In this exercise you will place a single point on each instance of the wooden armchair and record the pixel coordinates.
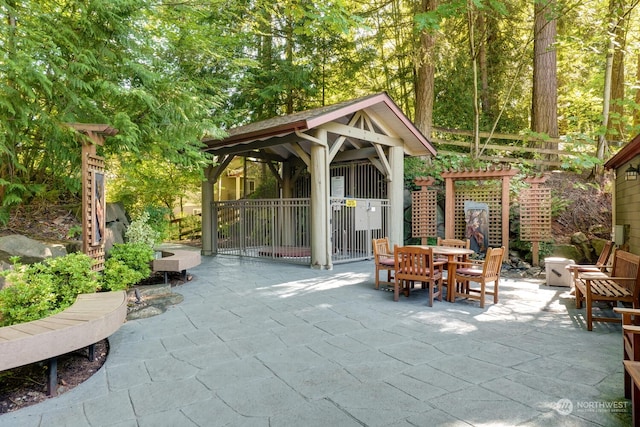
(454, 243)
(621, 286)
(630, 341)
(383, 259)
(416, 264)
(482, 273)
(600, 266)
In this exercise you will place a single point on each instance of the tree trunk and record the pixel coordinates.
(544, 103)
(471, 19)
(425, 71)
(618, 31)
(602, 139)
(485, 95)
(636, 113)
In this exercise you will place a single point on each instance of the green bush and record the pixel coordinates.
(128, 263)
(158, 220)
(140, 231)
(41, 289)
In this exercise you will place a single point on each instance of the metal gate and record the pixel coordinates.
(279, 229)
(354, 223)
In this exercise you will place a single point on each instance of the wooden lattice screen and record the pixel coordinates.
(535, 212)
(535, 215)
(93, 196)
(424, 205)
(489, 193)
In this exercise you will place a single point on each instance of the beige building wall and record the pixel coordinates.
(627, 208)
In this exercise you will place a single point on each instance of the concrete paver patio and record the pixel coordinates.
(263, 344)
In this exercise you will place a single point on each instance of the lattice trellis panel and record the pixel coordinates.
(93, 186)
(424, 205)
(485, 192)
(535, 214)
(95, 166)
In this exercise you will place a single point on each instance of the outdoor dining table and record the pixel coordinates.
(452, 255)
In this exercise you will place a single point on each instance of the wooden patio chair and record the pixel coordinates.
(481, 273)
(416, 264)
(601, 265)
(630, 341)
(384, 261)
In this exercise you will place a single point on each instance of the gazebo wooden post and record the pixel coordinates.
(396, 196)
(320, 227)
(208, 226)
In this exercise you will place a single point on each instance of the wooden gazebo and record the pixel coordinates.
(371, 128)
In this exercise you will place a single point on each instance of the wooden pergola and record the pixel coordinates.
(495, 196)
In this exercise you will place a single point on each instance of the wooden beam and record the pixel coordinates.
(362, 134)
(384, 161)
(301, 153)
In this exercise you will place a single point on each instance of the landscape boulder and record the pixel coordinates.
(581, 241)
(116, 225)
(30, 251)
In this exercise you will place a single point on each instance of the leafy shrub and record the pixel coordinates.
(140, 231)
(41, 289)
(158, 220)
(128, 264)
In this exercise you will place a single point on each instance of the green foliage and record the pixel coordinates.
(188, 226)
(71, 275)
(417, 167)
(74, 231)
(119, 276)
(153, 184)
(107, 62)
(268, 189)
(158, 221)
(42, 289)
(141, 232)
(128, 264)
(559, 204)
(545, 249)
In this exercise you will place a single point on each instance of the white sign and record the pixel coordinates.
(337, 187)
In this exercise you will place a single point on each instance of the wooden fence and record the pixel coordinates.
(567, 151)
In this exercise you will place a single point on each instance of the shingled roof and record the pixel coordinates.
(275, 134)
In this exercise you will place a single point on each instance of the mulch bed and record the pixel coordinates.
(27, 385)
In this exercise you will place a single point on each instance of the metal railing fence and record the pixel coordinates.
(280, 229)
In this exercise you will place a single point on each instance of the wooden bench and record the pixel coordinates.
(92, 318)
(621, 285)
(176, 261)
(632, 369)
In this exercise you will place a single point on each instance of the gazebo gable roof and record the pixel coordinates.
(385, 124)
